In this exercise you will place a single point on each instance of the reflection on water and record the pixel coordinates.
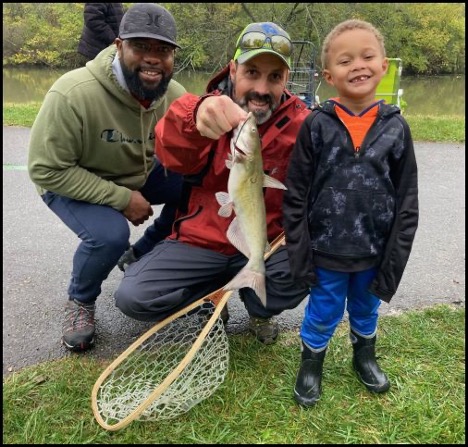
(435, 95)
(424, 95)
(31, 84)
(24, 85)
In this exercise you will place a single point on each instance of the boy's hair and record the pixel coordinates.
(349, 25)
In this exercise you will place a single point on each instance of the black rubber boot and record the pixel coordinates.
(309, 378)
(365, 363)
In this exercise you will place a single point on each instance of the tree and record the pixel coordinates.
(429, 37)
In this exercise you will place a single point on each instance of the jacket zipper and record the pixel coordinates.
(357, 149)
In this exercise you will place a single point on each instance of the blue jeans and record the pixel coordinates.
(327, 301)
(105, 232)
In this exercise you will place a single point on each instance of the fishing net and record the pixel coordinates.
(148, 368)
(170, 368)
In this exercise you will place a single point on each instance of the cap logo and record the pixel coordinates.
(269, 28)
(154, 19)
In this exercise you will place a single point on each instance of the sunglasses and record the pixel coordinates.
(255, 40)
(140, 46)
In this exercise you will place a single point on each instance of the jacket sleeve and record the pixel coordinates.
(96, 16)
(179, 145)
(295, 205)
(54, 155)
(400, 242)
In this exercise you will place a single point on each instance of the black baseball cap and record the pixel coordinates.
(149, 20)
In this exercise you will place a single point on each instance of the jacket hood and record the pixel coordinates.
(220, 81)
(385, 110)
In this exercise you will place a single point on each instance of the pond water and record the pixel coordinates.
(433, 95)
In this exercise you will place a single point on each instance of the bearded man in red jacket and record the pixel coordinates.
(193, 138)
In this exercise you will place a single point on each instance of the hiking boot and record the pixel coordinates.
(78, 326)
(126, 259)
(265, 329)
(365, 363)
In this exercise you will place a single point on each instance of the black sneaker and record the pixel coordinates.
(265, 329)
(78, 327)
(126, 259)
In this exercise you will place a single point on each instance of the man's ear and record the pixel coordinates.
(232, 69)
(118, 43)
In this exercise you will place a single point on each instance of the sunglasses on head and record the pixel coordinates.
(255, 40)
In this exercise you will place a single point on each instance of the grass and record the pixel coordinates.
(20, 114)
(443, 128)
(440, 128)
(421, 351)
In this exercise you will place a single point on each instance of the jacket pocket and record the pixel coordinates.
(349, 222)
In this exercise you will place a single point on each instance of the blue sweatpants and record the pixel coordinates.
(105, 232)
(334, 292)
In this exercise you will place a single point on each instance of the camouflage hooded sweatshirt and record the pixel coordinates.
(92, 140)
(348, 211)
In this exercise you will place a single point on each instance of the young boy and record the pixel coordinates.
(351, 208)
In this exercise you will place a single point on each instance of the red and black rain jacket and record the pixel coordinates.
(202, 161)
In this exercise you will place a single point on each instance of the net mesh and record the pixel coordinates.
(144, 369)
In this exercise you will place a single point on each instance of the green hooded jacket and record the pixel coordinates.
(92, 140)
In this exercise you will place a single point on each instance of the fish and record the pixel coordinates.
(248, 230)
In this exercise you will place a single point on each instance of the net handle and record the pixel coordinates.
(219, 298)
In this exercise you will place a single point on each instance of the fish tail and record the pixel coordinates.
(249, 278)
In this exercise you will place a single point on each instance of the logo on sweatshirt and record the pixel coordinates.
(115, 136)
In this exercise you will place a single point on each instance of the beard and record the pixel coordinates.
(261, 116)
(138, 89)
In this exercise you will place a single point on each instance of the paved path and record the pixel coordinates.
(38, 251)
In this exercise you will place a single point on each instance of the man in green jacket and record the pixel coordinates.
(91, 156)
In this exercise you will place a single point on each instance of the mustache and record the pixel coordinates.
(254, 96)
(150, 68)
(260, 116)
(139, 89)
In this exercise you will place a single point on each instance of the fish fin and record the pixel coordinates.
(236, 238)
(229, 162)
(225, 210)
(270, 182)
(226, 204)
(249, 278)
(222, 197)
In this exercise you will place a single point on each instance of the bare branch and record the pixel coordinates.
(244, 7)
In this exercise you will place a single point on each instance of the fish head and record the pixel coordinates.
(245, 141)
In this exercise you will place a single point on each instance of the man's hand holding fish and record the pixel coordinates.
(218, 115)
